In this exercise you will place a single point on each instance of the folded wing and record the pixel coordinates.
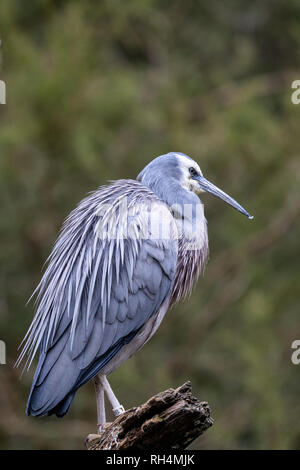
(110, 271)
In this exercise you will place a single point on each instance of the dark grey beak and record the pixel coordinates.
(211, 188)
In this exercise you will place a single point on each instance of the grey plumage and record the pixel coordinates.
(103, 288)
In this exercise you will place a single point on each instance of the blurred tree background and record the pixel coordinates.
(95, 90)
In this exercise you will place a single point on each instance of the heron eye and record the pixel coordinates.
(192, 171)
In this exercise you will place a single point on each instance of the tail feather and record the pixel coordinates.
(56, 383)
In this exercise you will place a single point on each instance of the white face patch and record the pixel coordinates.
(187, 181)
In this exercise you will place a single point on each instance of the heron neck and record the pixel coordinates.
(186, 207)
(191, 223)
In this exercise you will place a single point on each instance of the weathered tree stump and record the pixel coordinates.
(172, 419)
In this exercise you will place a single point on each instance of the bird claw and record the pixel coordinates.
(102, 427)
(119, 410)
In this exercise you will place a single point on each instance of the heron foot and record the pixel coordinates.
(118, 410)
(101, 428)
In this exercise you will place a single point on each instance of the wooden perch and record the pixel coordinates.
(172, 419)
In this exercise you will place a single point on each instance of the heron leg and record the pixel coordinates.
(101, 415)
(116, 405)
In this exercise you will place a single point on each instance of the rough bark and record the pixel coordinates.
(172, 419)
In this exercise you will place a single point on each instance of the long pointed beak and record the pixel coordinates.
(211, 188)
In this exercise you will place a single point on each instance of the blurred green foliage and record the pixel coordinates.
(95, 90)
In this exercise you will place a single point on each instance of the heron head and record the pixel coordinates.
(193, 180)
(176, 167)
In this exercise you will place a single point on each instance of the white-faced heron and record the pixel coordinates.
(125, 255)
